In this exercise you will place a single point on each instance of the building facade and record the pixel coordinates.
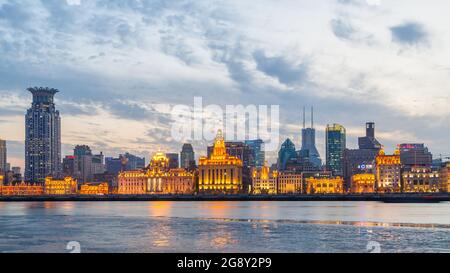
(308, 148)
(264, 181)
(94, 189)
(286, 154)
(259, 156)
(157, 178)
(361, 160)
(363, 183)
(66, 186)
(42, 137)
(22, 189)
(335, 140)
(444, 177)
(3, 156)
(415, 155)
(324, 185)
(421, 179)
(187, 157)
(289, 183)
(174, 161)
(388, 172)
(220, 172)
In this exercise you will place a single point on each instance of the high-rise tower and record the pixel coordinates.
(335, 146)
(309, 141)
(42, 136)
(3, 158)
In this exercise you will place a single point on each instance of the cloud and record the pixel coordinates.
(115, 61)
(282, 69)
(409, 34)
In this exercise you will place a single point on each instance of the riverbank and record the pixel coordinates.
(388, 198)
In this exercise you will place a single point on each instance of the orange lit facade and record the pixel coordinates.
(388, 172)
(94, 189)
(67, 186)
(363, 183)
(289, 183)
(325, 185)
(421, 179)
(2, 179)
(444, 178)
(264, 181)
(221, 173)
(132, 182)
(21, 190)
(157, 179)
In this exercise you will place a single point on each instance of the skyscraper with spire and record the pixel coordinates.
(42, 136)
(309, 149)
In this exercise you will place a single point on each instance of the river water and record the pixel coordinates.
(224, 227)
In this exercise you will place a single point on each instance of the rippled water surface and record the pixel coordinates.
(224, 226)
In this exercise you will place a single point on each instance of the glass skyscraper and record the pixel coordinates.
(335, 147)
(257, 147)
(42, 136)
(3, 159)
(286, 153)
(187, 157)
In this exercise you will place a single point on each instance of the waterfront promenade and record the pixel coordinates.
(394, 198)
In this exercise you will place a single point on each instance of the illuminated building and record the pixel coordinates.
(132, 182)
(2, 179)
(361, 160)
(290, 183)
(94, 189)
(3, 158)
(363, 183)
(335, 143)
(445, 178)
(178, 181)
(157, 178)
(21, 189)
(388, 172)
(220, 172)
(42, 137)
(66, 186)
(420, 179)
(324, 185)
(264, 181)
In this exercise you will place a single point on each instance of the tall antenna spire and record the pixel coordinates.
(304, 117)
(312, 117)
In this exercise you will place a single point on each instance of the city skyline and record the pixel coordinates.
(117, 77)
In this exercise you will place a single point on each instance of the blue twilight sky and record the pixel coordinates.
(117, 62)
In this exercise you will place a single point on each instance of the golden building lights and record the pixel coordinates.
(94, 189)
(444, 178)
(66, 186)
(324, 185)
(264, 181)
(21, 189)
(221, 172)
(157, 178)
(289, 183)
(388, 172)
(421, 179)
(363, 183)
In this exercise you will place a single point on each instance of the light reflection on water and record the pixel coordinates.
(224, 226)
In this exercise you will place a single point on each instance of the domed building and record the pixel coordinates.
(220, 173)
(157, 178)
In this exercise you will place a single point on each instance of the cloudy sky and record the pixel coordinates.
(119, 62)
